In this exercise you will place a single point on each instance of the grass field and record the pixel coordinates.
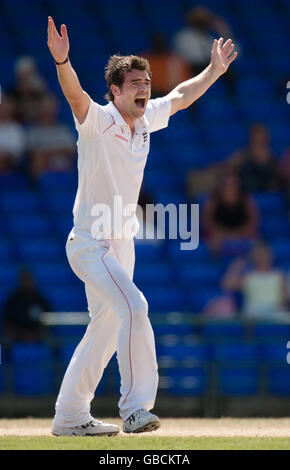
(175, 434)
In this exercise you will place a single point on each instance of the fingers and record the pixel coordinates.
(63, 31)
(227, 45)
(51, 27)
(215, 45)
(233, 57)
(230, 50)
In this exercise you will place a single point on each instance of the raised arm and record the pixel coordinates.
(58, 45)
(187, 92)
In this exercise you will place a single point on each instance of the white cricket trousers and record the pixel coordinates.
(119, 322)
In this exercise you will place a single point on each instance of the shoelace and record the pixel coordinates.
(91, 423)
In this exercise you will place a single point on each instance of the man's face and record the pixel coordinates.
(134, 94)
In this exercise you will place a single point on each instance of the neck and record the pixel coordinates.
(127, 118)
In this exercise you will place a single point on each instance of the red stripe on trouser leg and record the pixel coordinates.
(130, 358)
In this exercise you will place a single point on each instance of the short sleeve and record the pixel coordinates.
(158, 113)
(94, 122)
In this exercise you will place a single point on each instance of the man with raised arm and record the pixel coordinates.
(113, 144)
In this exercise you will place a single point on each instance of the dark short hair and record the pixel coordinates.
(118, 65)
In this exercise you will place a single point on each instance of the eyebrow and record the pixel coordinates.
(140, 79)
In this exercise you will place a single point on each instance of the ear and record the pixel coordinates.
(115, 90)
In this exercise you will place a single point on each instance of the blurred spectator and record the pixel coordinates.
(12, 138)
(263, 287)
(194, 42)
(28, 90)
(22, 310)
(168, 69)
(201, 182)
(221, 306)
(51, 145)
(229, 214)
(256, 164)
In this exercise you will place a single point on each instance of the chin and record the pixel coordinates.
(140, 112)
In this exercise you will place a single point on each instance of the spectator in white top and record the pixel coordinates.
(263, 286)
(51, 145)
(193, 43)
(12, 138)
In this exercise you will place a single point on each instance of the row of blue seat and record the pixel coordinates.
(229, 381)
(230, 352)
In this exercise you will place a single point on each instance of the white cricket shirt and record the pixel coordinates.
(111, 163)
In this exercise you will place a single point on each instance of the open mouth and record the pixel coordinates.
(140, 103)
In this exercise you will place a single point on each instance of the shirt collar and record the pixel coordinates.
(119, 120)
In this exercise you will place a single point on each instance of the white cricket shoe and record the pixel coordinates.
(141, 421)
(92, 428)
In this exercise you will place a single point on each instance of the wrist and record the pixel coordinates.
(214, 73)
(61, 63)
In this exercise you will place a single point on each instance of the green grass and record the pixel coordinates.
(143, 443)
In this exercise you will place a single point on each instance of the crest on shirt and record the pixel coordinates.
(145, 136)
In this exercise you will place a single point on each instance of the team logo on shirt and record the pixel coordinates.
(145, 136)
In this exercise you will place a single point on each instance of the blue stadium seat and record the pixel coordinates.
(30, 224)
(279, 381)
(153, 273)
(199, 352)
(147, 251)
(270, 202)
(264, 110)
(33, 369)
(218, 108)
(60, 202)
(58, 182)
(161, 179)
(52, 273)
(168, 299)
(66, 350)
(13, 180)
(223, 329)
(236, 352)
(191, 155)
(176, 254)
(14, 202)
(271, 331)
(255, 86)
(65, 299)
(273, 351)
(168, 197)
(63, 332)
(206, 274)
(281, 248)
(179, 329)
(9, 274)
(6, 251)
(275, 226)
(187, 382)
(40, 249)
(238, 381)
(63, 224)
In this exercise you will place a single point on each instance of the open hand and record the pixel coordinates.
(58, 45)
(222, 55)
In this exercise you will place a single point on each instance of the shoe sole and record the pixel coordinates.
(109, 434)
(147, 428)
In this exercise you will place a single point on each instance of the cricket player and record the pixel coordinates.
(113, 144)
